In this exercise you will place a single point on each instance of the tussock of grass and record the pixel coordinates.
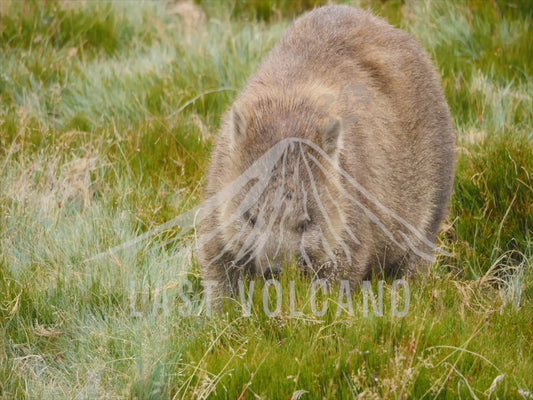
(262, 10)
(107, 116)
(492, 205)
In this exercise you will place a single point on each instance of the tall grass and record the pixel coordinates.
(107, 116)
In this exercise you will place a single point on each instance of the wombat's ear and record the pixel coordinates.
(328, 136)
(238, 124)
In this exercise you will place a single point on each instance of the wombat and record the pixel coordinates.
(338, 155)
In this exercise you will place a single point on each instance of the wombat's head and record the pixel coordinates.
(286, 200)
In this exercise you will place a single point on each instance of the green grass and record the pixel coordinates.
(107, 116)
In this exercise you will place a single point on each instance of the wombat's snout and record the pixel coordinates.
(273, 271)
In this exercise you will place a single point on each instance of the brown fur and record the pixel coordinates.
(368, 95)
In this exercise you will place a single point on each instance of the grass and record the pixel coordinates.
(107, 117)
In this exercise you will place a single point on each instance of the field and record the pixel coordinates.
(108, 112)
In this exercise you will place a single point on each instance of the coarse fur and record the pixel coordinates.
(370, 196)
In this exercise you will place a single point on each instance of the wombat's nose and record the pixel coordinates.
(273, 271)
